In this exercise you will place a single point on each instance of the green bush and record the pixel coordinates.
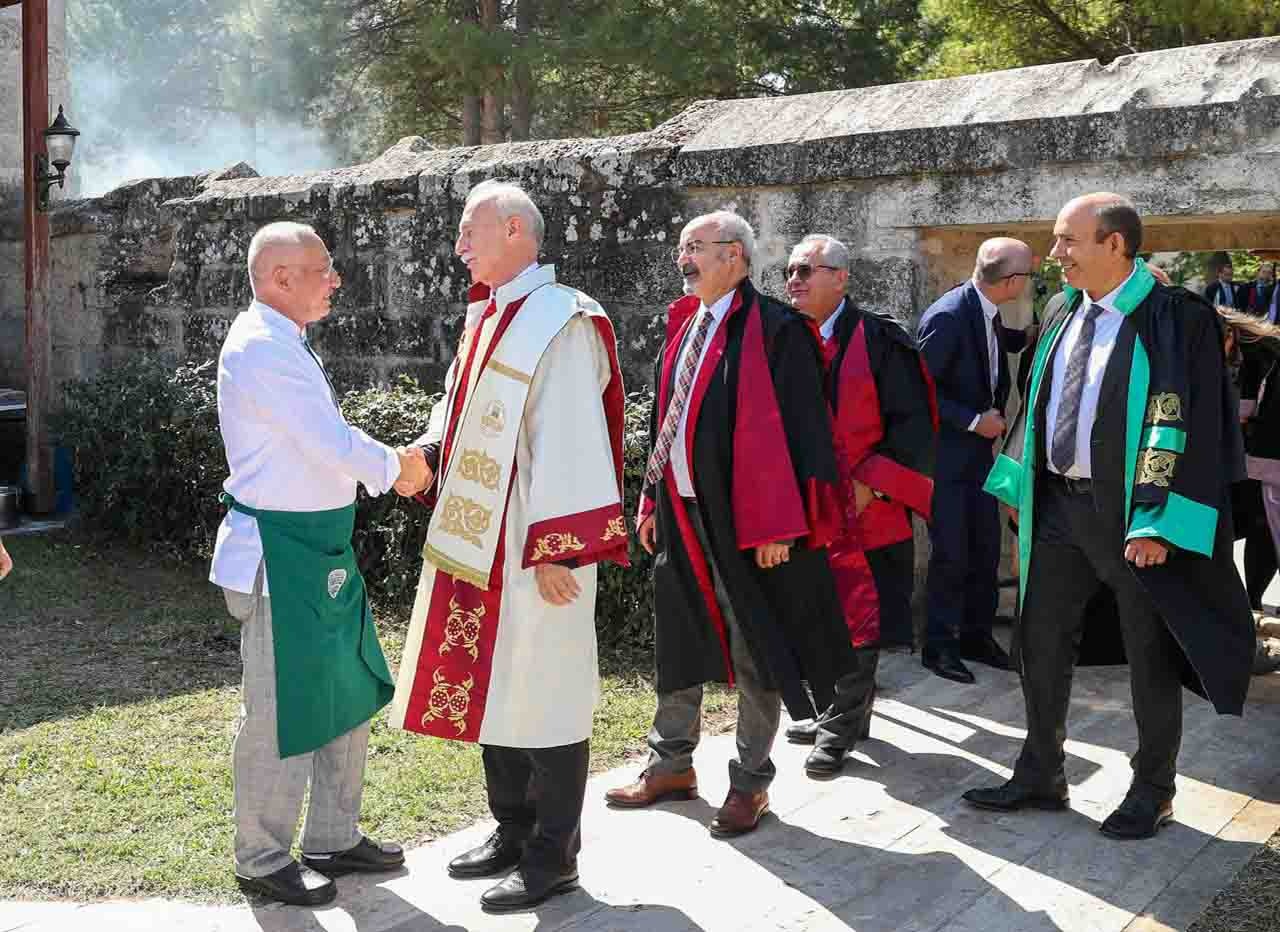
(149, 466)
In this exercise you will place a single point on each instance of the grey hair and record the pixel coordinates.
(834, 252)
(510, 201)
(279, 233)
(733, 227)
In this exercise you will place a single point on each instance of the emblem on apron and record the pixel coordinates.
(336, 579)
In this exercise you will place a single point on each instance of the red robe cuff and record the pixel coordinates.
(584, 538)
(899, 483)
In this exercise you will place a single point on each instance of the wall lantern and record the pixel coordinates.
(60, 141)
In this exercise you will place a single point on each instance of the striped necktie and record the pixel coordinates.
(1063, 453)
(679, 398)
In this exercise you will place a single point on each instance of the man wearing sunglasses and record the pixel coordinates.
(965, 344)
(885, 421)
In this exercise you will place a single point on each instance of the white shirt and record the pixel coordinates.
(287, 445)
(679, 460)
(989, 312)
(1106, 330)
(828, 328)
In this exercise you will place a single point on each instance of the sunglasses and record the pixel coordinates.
(802, 270)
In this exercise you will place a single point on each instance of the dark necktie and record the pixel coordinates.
(1063, 454)
(333, 393)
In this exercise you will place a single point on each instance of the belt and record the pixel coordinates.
(1074, 486)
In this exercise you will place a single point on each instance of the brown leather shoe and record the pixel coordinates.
(741, 813)
(652, 787)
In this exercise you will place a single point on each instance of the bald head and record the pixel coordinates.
(1096, 238)
(1000, 257)
(291, 272)
(1003, 269)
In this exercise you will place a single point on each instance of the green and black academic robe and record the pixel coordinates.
(1165, 447)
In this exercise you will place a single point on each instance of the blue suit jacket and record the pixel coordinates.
(953, 341)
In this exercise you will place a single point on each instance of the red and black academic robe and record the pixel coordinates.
(763, 467)
(886, 422)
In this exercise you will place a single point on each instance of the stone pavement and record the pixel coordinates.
(887, 846)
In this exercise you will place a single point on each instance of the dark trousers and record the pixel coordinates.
(963, 587)
(849, 715)
(1259, 548)
(536, 794)
(894, 570)
(1076, 551)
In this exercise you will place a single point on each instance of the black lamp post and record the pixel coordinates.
(60, 141)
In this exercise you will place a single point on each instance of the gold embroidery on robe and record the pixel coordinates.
(466, 519)
(462, 629)
(1164, 407)
(617, 528)
(448, 700)
(478, 466)
(554, 545)
(1156, 468)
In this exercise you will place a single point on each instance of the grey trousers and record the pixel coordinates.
(269, 789)
(677, 725)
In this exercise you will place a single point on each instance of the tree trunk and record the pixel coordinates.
(471, 119)
(491, 125)
(522, 73)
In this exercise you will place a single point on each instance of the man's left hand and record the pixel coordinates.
(770, 555)
(556, 584)
(862, 496)
(1146, 551)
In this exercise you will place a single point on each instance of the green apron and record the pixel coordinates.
(331, 675)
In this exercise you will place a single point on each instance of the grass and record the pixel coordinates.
(119, 689)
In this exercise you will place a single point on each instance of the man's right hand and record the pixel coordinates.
(6, 561)
(991, 425)
(648, 534)
(415, 474)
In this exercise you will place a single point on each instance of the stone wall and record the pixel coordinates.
(912, 176)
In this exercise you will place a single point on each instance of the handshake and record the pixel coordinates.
(415, 474)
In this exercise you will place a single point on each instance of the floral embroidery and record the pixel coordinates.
(462, 629)
(466, 519)
(448, 700)
(617, 528)
(554, 545)
(1164, 407)
(1156, 468)
(479, 467)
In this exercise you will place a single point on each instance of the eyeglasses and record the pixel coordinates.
(1018, 275)
(802, 270)
(696, 247)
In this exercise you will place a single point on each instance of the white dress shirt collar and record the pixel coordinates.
(275, 321)
(1108, 301)
(828, 328)
(535, 276)
(720, 307)
(988, 308)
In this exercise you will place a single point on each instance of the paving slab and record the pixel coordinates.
(886, 847)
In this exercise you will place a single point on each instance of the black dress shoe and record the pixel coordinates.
(945, 661)
(825, 762)
(983, 648)
(1012, 796)
(1137, 817)
(805, 732)
(293, 885)
(516, 892)
(366, 857)
(499, 852)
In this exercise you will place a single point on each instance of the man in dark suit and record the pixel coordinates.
(1263, 297)
(1222, 290)
(965, 345)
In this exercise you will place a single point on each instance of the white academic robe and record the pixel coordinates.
(565, 502)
